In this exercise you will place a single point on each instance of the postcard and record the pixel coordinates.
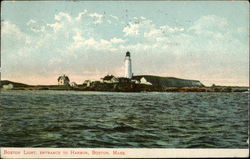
(124, 79)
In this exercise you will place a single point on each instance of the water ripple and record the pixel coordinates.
(105, 119)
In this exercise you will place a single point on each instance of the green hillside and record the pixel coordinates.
(169, 81)
(15, 84)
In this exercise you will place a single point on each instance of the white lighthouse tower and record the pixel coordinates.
(128, 66)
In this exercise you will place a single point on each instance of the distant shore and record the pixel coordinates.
(120, 87)
(133, 88)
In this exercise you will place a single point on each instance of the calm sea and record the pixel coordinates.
(118, 120)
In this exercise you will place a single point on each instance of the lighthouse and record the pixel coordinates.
(128, 65)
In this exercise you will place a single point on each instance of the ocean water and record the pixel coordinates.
(123, 120)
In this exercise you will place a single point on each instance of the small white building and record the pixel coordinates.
(144, 81)
(63, 80)
(135, 81)
(87, 82)
(8, 86)
(73, 84)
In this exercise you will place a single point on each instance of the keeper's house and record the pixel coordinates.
(63, 80)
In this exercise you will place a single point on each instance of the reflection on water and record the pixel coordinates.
(98, 119)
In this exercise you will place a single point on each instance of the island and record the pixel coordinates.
(140, 83)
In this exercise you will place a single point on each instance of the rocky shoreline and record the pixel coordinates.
(131, 87)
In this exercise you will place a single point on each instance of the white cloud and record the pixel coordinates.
(109, 21)
(152, 33)
(114, 17)
(61, 19)
(131, 30)
(168, 29)
(9, 28)
(208, 24)
(105, 43)
(37, 30)
(139, 27)
(80, 15)
(35, 27)
(97, 18)
(93, 44)
(78, 39)
(96, 15)
(56, 26)
(147, 28)
(61, 15)
(78, 36)
(31, 21)
(117, 40)
(90, 42)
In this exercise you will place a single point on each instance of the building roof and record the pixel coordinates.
(127, 53)
(108, 77)
(63, 78)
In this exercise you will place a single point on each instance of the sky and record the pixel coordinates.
(205, 41)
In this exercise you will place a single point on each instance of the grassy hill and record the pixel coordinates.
(169, 81)
(15, 84)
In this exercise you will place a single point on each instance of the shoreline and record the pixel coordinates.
(134, 88)
(123, 87)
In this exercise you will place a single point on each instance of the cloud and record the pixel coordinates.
(31, 21)
(117, 40)
(78, 37)
(37, 30)
(168, 29)
(80, 15)
(74, 45)
(9, 28)
(97, 18)
(143, 18)
(132, 29)
(65, 21)
(152, 33)
(148, 29)
(92, 44)
(56, 26)
(60, 20)
(96, 15)
(62, 15)
(209, 24)
(114, 17)
(137, 28)
(34, 26)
